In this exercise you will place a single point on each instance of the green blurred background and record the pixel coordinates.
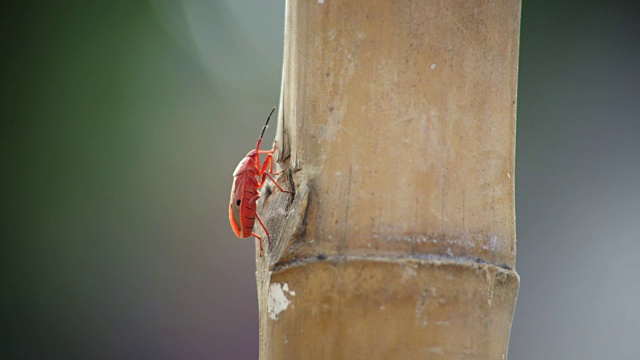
(122, 122)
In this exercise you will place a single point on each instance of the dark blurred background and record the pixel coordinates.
(122, 122)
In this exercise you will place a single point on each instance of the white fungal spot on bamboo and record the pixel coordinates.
(320, 1)
(433, 66)
(277, 300)
(285, 288)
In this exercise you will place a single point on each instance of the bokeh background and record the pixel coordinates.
(122, 122)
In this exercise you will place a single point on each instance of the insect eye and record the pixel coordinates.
(238, 202)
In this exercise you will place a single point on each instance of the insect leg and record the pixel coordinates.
(268, 162)
(269, 159)
(276, 183)
(264, 228)
(260, 240)
(262, 182)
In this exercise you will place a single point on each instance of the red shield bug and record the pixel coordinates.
(248, 178)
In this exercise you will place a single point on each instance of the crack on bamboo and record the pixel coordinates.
(421, 304)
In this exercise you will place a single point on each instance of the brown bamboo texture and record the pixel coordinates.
(397, 130)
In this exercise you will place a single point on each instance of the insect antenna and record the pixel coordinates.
(264, 128)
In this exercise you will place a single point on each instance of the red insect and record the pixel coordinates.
(249, 177)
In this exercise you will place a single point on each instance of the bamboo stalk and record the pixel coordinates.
(397, 125)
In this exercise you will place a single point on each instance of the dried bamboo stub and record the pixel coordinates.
(398, 123)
